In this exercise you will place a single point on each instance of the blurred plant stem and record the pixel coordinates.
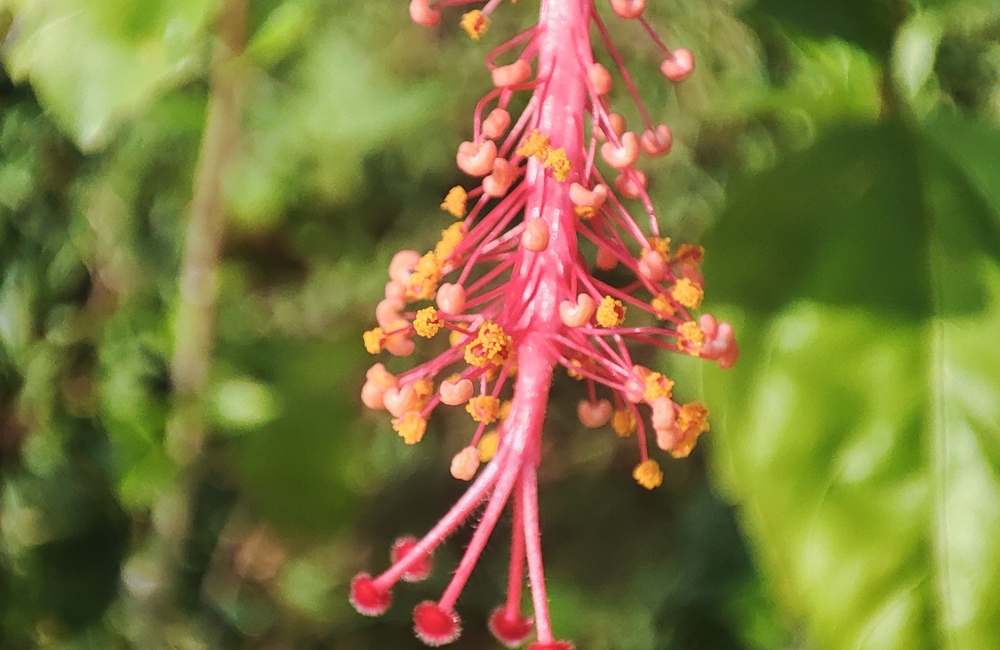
(157, 592)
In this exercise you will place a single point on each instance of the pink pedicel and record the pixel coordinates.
(516, 296)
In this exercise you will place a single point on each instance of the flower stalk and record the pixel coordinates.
(528, 290)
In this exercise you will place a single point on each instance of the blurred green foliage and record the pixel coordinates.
(844, 159)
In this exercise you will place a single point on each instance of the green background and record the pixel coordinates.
(840, 160)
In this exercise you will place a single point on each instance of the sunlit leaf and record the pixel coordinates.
(862, 434)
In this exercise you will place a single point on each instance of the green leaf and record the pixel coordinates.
(860, 430)
(95, 63)
(868, 23)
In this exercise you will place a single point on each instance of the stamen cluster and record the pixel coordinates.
(521, 282)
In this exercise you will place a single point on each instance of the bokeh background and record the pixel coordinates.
(192, 469)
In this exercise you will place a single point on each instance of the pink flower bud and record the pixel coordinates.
(511, 75)
(422, 14)
(456, 393)
(600, 79)
(536, 235)
(400, 400)
(632, 184)
(628, 9)
(476, 158)
(622, 155)
(594, 414)
(652, 266)
(465, 464)
(606, 260)
(371, 395)
(592, 199)
(497, 183)
(451, 298)
(387, 312)
(575, 314)
(679, 65)
(658, 142)
(402, 265)
(395, 289)
(496, 123)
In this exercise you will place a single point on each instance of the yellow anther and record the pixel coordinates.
(475, 24)
(663, 307)
(693, 415)
(454, 202)
(451, 237)
(536, 145)
(691, 336)
(693, 421)
(611, 312)
(661, 245)
(423, 388)
(484, 408)
(411, 427)
(648, 474)
(505, 409)
(574, 374)
(488, 445)
(657, 386)
(427, 323)
(423, 282)
(559, 163)
(690, 254)
(623, 422)
(491, 345)
(687, 293)
(584, 212)
(374, 340)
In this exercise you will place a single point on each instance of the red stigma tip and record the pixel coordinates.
(434, 625)
(367, 598)
(420, 569)
(510, 631)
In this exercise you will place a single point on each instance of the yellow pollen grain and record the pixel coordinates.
(692, 335)
(687, 293)
(423, 282)
(661, 245)
(584, 212)
(572, 372)
(690, 254)
(559, 163)
(427, 323)
(475, 24)
(451, 237)
(374, 340)
(623, 423)
(484, 408)
(411, 427)
(505, 409)
(537, 145)
(491, 345)
(662, 306)
(488, 445)
(693, 415)
(454, 202)
(657, 386)
(648, 474)
(423, 388)
(610, 313)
